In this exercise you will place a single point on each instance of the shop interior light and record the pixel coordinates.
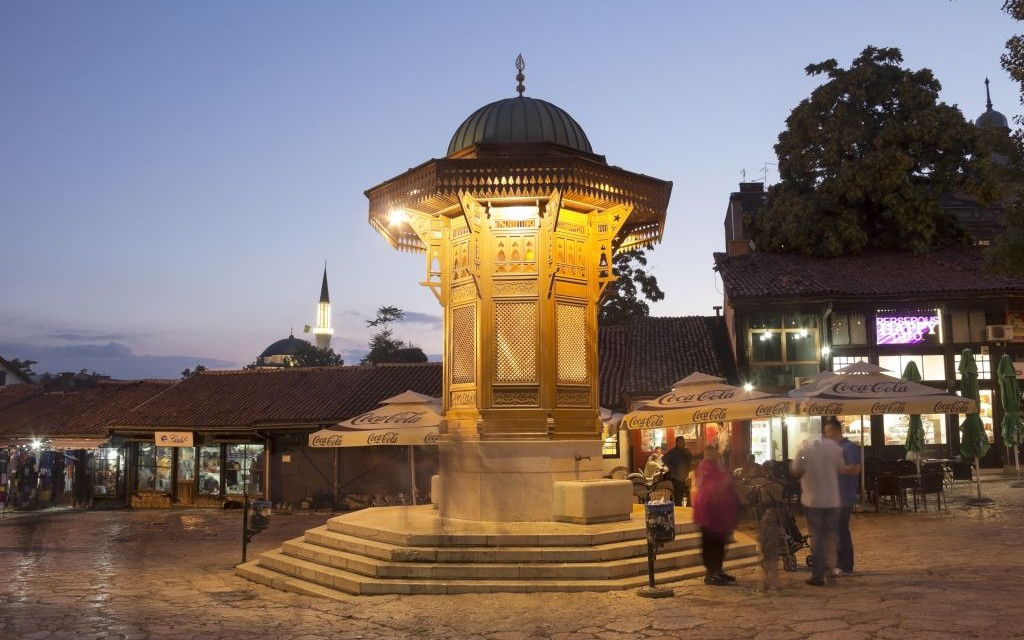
(36, 444)
(748, 387)
(803, 333)
(825, 350)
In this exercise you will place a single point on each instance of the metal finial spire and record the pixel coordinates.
(988, 96)
(520, 65)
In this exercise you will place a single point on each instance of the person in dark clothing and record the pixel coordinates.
(678, 462)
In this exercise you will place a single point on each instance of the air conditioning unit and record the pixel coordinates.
(998, 332)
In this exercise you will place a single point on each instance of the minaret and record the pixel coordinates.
(323, 330)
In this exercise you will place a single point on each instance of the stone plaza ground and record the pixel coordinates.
(170, 574)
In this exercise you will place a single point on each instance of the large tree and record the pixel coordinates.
(384, 346)
(1007, 252)
(864, 160)
(633, 286)
(309, 355)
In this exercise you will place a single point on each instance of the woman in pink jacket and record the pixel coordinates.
(715, 510)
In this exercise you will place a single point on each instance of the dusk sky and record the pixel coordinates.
(173, 175)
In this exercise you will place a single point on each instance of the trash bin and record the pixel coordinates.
(259, 517)
(661, 521)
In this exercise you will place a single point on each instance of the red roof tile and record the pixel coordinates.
(267, 397)
(942, 272)
(77, 413)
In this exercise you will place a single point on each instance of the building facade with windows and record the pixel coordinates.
(791, 317)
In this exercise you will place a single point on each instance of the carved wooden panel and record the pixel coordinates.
(463, 399)
(463, 293)
(463, 345)
(571, 323)
(515, 342)
(573, 397)
(515, 397)
(515, 288)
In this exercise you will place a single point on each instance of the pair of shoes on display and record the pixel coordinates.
(725, 576)
(816, 582)
(715, 580)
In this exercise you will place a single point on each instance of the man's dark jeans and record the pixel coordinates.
(844, 541)
(822, 524)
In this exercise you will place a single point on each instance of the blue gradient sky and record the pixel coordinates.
(173, 175)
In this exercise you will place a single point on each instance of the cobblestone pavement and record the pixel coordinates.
(169, 574)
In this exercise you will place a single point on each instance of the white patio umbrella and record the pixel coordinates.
(700, 398)
(865, 389)
(408, 419)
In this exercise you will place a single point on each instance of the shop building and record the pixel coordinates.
(791, 317)
(220, 435)
(54, 447)
(642, 360)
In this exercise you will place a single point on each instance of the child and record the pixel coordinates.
(770, 539)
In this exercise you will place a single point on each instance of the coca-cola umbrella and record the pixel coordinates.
(865, 389)
(700, 398)
(408, 419)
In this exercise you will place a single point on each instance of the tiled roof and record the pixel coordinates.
(612, 364)
(645, 358)
(292, 396)
(942, 272)
(39, 413)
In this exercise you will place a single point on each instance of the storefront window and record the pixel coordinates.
(984, 366)
(209, 470)
(782, 349)
(985, 412)
(854, 427)
(931, 367)
(186, 463)
(848, 329)
(243, 470)
(896, 427)
(798, 429)
(766, 439)
(154, 468)
(106, 472)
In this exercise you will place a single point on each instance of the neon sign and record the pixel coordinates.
(907, 329)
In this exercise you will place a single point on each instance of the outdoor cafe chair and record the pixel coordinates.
(888, 488)
(961, 471)
(931, 483)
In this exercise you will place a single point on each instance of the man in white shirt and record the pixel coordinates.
(818, 464)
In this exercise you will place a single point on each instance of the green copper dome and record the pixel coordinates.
(519, 120)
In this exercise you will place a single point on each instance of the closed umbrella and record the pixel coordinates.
(973, 440)
(1009, 392)
(915, 430)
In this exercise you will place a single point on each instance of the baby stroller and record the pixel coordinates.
(769, 495)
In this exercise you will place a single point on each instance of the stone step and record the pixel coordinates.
(278, 570)
(549, 570)
(381, 550)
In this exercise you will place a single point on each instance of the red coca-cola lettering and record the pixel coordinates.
(708, 395)
(712, 414)
(885, 386)
(768, 410)
(951, 406)
(824, 408)
(893, 406)
(403, 417)
(333, 440)
(648, 422)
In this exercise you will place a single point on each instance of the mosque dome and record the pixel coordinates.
(287, 347)
(991, 117)
(520, 120)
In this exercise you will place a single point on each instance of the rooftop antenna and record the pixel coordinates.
(764, 172)
(988, 96)
(743, 175)
(520, 65)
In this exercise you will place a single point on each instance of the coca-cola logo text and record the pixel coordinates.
(886, 386)
(652, 421)
(767, 410)
(708, 395)
(951, 406)
(333, 440)
(824, 408)
(384, 437)
(403, 417)
(709, 415)
(894, 406)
